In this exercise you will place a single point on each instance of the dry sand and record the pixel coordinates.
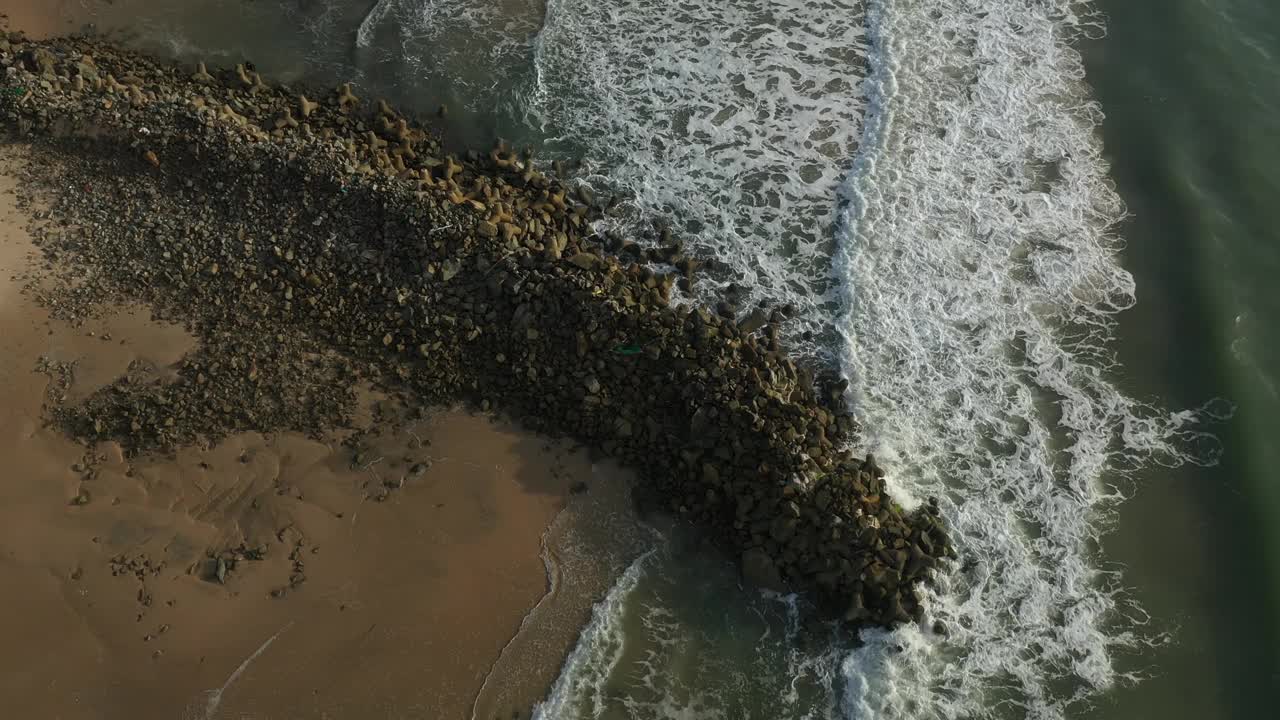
(395, 597)
(39, 18)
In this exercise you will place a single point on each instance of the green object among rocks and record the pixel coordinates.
(627, 350)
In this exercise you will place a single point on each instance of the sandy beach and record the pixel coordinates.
(388, 587)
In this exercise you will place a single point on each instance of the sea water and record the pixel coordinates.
(925, 181)
(972, 283)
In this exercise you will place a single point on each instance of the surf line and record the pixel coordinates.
(215, 696)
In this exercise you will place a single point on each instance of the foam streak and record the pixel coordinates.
(732, 122)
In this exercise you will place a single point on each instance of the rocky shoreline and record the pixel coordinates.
(312, 238)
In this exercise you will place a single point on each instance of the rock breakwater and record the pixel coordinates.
(311, 237)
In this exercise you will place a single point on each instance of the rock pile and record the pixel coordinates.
(328, 227)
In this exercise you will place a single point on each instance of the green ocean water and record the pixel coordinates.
(1191, 91)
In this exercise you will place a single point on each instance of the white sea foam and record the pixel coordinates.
(733, 121)
(477, 47)
(982, 279)
(578, 691)
(665, 646)
(376, 14)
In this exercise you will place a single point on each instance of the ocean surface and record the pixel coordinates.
(1039, 236)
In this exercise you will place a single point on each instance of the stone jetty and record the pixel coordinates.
(318, 235)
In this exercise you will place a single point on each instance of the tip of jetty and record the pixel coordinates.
(263, 214)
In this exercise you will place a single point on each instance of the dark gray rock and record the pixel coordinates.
(759, 571)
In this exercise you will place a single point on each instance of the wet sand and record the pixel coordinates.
(384, 588)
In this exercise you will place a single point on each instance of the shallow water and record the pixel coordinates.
(934, 185)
